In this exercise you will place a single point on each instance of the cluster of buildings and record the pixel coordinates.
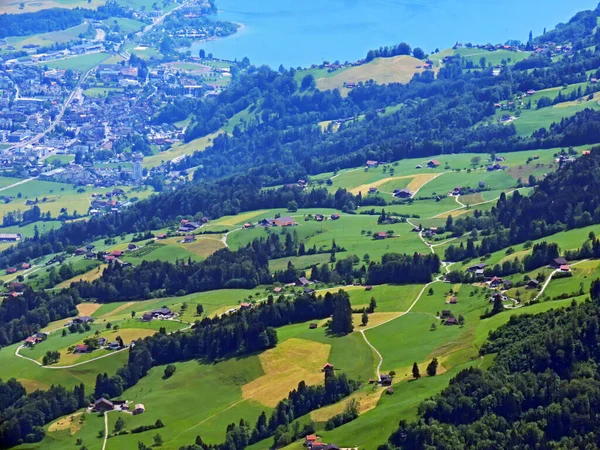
(103, 405)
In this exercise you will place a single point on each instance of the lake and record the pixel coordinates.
(300, 33)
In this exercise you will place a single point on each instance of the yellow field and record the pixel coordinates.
(519, 254)
(70, 423)
(91, 275)
(375, 319)
(202, 246)
(87, 309)
(364, 188)
(366, 399)
(240, 218)
(285, 366)
(182, 149)
(398, 69)
(32, 385)
(420, 180)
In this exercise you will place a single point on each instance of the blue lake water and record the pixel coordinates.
(300, 33)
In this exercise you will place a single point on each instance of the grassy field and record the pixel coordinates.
(179, 150)
(397, 69)
(100, 92)
(124, 25)
(13, 6)
(494, 58)
(78, 63)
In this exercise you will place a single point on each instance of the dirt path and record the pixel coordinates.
(105, 430)
(444, 214)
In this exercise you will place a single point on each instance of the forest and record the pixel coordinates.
(541, 391)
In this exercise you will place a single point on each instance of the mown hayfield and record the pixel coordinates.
(284, 367)
(397, 69)
(180, 150)
(494, 58)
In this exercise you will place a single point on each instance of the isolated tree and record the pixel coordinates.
(430, 291)
(365, 318)
(432, 367)
(372, 305)
(292, 206)
(308, 82)
(199, 309)
(119, 425)
(415, 371)
(170, 370)
(202, 53)
(132, 314)
(158, 440)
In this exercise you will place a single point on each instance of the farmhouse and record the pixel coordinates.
(11, 270)
(327, 367)
(385, 380)
(244, 306)
(312, 326)
(189, 238)
(83, 319)
(533, 284)
(402, 193)
(451, 321)
(371, 163)
(188, 227)
(80, 251)
(160, 313)
(114, 345)
(30, 341)
(303, 281)
(565, 268)
(335, 216)
(10, 237)
(373, 190)
(139, 409)
(558, 262)
(495, 282)
(432, 164)
(82, 348)
(477, 267)
(319, 217)
(284, 222)
(380, 235)
(103, 405)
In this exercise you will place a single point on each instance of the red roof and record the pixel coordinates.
(30, 339)
(328, 365)
(565, 268)
(311, 437)
(117, 252)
